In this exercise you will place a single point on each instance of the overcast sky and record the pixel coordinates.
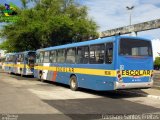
(111, 14)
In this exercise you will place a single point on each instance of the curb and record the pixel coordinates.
(145, 95)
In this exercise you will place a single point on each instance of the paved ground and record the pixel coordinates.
(32, 99)
(157, 79)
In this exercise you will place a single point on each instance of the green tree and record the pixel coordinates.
(2, 7)
(49, 23)
(157, 61)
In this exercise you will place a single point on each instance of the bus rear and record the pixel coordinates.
(30, 61)
(9, 62)
(134, 63)
(25, 63)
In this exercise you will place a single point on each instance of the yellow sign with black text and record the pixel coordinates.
(126, 73)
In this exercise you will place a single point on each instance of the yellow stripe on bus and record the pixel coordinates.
(8, 65)
(18, 65)
(99, 72)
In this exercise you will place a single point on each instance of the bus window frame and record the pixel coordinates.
(12, 58)
(88, 54)
(20, 59)
(39, 55)
(54, 56)
(64, 56)
(119, 54)
(75, 49)
(76, 54)
(112, 52)
(95, 57)
(48, 52)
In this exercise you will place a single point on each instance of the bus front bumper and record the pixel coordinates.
(119, 85)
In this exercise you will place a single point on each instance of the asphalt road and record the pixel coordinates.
(157, 79)
(27, 98)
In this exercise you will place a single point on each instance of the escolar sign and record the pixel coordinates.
(136, 72)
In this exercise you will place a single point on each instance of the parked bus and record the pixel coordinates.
(25, 63)
(9, 63)
(118, 62)
(22, 63)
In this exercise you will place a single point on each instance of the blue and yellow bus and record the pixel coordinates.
(10, 60)
(22, 63)
(118, 62)
(25, 63)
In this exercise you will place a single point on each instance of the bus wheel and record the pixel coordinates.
(73, 83)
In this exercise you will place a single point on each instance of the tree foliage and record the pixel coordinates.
(2, 7)
(49, 23)
(157, 61)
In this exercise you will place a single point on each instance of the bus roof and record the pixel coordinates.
(24, 52)
(90, 42)
(15, 53)
(7, 54)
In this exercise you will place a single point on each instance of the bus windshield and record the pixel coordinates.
(135, 47)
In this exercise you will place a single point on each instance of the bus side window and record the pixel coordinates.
(20, 58)
(37, 57)
(11, 58)
(109, 53)
(61, 56)
(41, 57)
(70, 55)
(14, 59)
(46, 57)
(7, 59)
(97, 54)
(82, 55)
(52, 56)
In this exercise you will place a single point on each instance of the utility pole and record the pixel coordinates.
(130, 14)
(130, 18)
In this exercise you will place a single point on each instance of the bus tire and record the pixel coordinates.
(73, 83)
